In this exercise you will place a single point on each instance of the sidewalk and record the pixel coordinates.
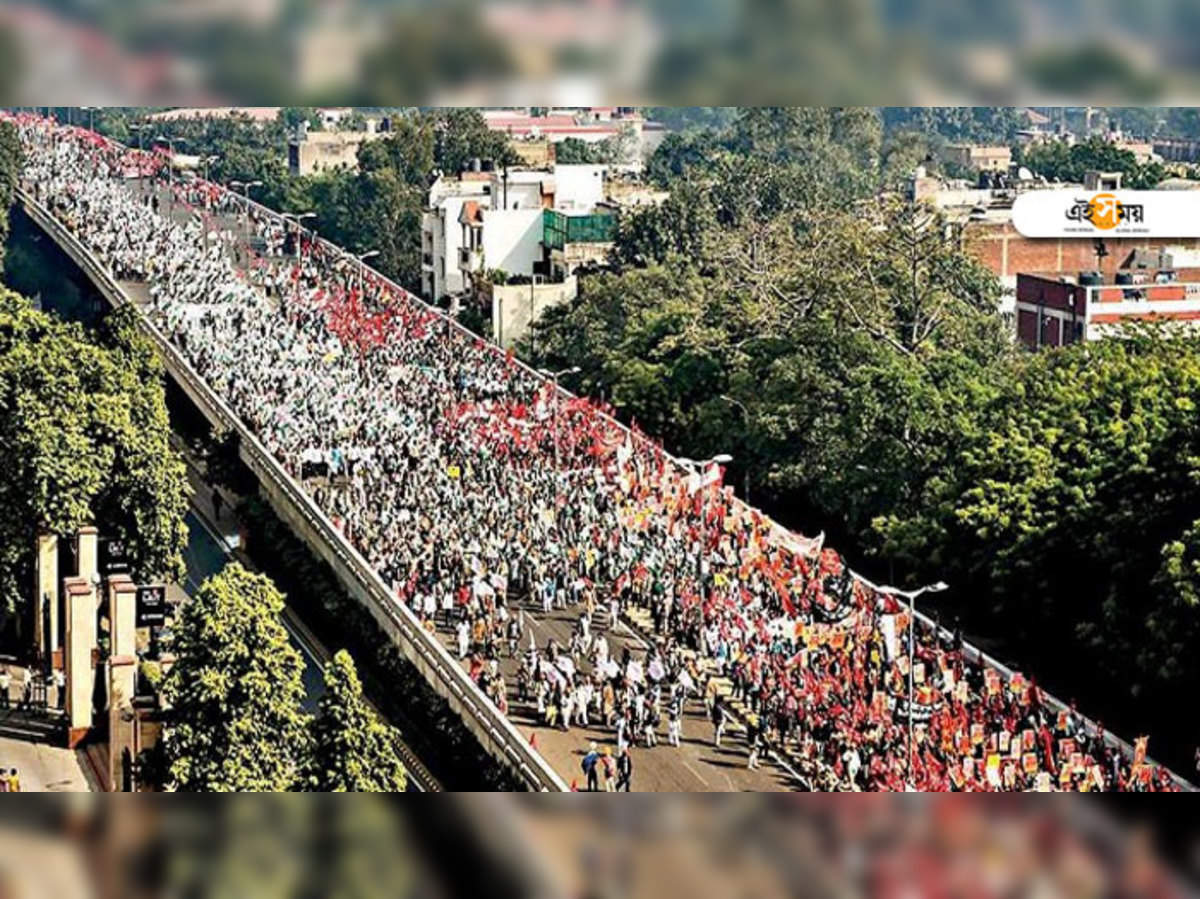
(29, 742)
(44, 768)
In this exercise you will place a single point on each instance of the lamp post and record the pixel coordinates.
(245, 186)
(911, 596)
(298, 218)
(361, 258)
(554, 376)
(746, 422)
(698, 467)
(170, 142)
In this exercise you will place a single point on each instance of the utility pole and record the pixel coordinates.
(698, 468)
(911, 596)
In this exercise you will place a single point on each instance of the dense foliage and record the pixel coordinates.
(235, 719)
(10, 168)
(84, 427)
(234, 694)
(1069, 507)
(1059, 162)
(353, 751)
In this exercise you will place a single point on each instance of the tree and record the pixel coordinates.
(574, 151)
(678, 154)
(85, 432)
(235, 721)
(1065, 512)
(682, 225)
(10, 170)
(462, 135)
(353, 750)
(1057, 161)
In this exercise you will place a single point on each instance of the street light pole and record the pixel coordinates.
(746, 422)
(554, 376)
(170, 142)
(245, 187)
(911, 596)
(362, 258)
(698, 469)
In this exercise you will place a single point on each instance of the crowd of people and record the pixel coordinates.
(483, 494)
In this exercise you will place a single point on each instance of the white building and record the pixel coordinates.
(485, 221)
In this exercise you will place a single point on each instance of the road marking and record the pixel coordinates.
(694, 771)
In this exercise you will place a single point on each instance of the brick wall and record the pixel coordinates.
(1006, 252)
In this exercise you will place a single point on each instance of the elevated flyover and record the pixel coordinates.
(495, 733)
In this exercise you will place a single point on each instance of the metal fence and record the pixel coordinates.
(560, 229)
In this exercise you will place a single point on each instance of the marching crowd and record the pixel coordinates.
(482, 495)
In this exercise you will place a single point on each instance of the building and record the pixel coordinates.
(517, 304)
(574, 239)
(534, 154)
(1143, 151)
(508, 241)
(315, 151)
(456, 244)
(588, 124)
(524, 223)
(979, 158)
(984, 218)
(1056, 310)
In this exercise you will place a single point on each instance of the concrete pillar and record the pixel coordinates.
(122, 600)
(87, 553)
(45, 593)
(80, 595)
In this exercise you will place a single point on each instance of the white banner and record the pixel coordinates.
(1119, 213)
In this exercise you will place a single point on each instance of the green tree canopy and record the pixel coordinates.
(10, 170)
(352, 749)
(1058, 161)
(234, 694)
(1069, 506)
(84, 427)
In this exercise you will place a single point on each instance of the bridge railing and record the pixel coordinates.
(294, 504)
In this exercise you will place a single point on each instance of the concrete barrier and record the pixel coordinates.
(293, 505)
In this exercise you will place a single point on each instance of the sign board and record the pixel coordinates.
(114, 559)
(151, 605)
